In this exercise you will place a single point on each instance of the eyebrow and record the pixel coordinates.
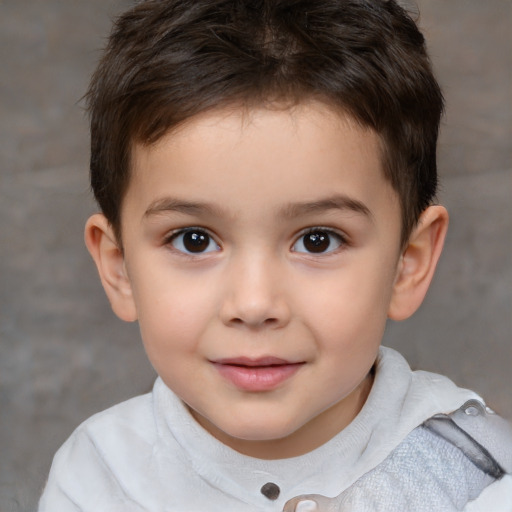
(169, 204)
(337, 202)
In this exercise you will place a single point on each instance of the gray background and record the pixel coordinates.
(63, 354)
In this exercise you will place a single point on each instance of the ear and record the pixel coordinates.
(108, 256)
(418, 263)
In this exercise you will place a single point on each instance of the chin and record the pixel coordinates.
(261, 430)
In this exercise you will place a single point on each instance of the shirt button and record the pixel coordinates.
(473, 408)
(271, 491)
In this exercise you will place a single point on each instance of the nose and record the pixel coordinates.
(254, 295)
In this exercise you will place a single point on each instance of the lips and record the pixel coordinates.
(256, 375)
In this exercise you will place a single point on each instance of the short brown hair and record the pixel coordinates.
(169, 60)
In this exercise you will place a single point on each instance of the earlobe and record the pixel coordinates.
(418, 263)
(108, 256)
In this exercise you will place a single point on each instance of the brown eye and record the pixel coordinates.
(318, 241)
(194, 241)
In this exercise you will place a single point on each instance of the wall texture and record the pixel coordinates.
(63, 355)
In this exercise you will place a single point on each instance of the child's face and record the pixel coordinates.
(261, 250)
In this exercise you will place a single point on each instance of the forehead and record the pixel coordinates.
(240, 156)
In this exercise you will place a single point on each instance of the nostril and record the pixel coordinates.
(266, 322)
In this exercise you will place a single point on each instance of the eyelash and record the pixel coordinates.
(174, 236)
(332, 235)
(324, 235)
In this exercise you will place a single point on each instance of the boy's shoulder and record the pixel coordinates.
(405, 398)
(95, 452)
(459, 453)
(128, 423)
(439, 466)
(134, 416)
(458, 461)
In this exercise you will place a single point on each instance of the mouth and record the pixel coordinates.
(256, 375)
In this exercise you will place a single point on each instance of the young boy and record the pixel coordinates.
(266, 171)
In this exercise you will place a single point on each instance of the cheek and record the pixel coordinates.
(172, 326)
(173, 311)
(350, 306)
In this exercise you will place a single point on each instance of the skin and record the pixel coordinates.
(257, 186)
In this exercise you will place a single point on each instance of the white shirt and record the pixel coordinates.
(149, 454)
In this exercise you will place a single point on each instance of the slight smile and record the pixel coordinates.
(255, 375)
